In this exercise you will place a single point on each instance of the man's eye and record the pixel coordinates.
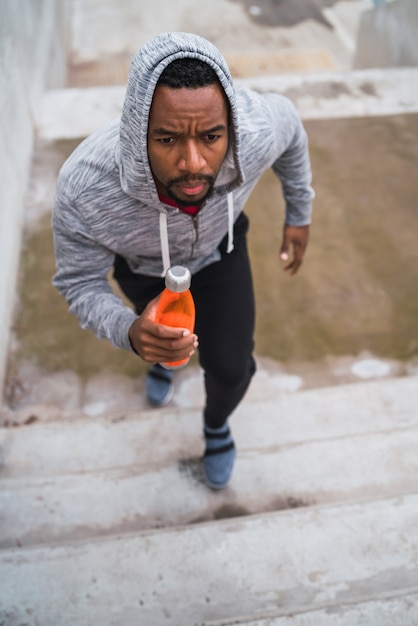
(166, 140)
(212, 137)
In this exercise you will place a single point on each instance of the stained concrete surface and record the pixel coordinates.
(276, 13)
(357, 290)
(284, 36)
(352, 310)
(354, 299)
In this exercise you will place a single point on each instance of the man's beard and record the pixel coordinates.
(186, 179)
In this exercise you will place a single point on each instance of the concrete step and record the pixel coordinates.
(281, 419)
(54, 509)
(104, 32)
(321, 557)
(75, 113)
(114, 71)
(383, 611)
(77, 496)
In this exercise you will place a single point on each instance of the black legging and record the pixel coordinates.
(225, 317)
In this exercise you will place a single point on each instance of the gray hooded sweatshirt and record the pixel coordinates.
(107, 202)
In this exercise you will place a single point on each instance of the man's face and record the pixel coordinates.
(187, 140)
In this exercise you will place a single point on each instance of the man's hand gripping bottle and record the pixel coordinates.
(176, 306)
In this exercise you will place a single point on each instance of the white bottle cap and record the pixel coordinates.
(178, 278)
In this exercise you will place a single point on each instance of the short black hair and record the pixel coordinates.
(189, 72)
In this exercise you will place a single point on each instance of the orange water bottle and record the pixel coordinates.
(176, 306)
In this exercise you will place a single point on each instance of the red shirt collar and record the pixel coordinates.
(190, 210)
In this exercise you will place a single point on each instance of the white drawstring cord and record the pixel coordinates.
(165, 250)
(230, 223)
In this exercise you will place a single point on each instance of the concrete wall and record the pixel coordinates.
(33, 43)
(388, 36)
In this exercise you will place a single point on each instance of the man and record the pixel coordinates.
(166, 185)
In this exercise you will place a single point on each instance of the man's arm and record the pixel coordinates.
(82, 267)
(82, 278)
(295, 239)
(293, 168)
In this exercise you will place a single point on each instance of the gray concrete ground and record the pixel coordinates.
(108, 33)
(355, 297)
(353, 302)
(105, 518)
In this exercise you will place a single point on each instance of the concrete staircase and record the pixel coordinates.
(105, 520)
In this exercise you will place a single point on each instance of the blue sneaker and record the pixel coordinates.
(219, 457)
(159, 385)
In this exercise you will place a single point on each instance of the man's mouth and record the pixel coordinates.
(192, 189)
(191, 186)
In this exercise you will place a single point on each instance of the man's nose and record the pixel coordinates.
(191, 159)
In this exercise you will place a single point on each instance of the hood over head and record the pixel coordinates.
(146, 68)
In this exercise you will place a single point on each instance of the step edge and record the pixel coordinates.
(401, 592)
(8, 553)
(33, 481)
(273, 397)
